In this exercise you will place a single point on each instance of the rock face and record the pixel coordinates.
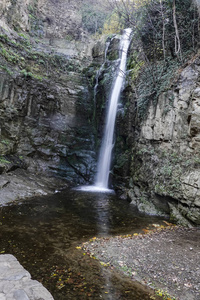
(15, 13)
(165, 164)
(61, 19)
(16, 283)
(46, 124)
(21, 184)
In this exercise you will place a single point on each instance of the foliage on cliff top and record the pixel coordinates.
(21, 55)
(94, 16)
(165, 34)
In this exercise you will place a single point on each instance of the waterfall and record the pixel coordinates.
(104, 162)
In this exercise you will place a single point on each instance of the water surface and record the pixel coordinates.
(43, 234)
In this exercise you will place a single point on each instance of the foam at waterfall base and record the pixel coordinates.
(93, 189)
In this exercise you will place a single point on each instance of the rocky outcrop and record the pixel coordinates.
(165, 164)
(61, 19)
(21, 184)
(47, 119)
(57, 23)
(46, 125)
(14, 14)
(16, 283)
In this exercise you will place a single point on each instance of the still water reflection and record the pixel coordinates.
(44, 233)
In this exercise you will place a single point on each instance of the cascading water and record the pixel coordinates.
(104, 162)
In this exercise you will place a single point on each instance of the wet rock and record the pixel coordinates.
(44, 118)
(21, 184)
(98, 50)
(165, 163)
(143, 203)
(3, 183)
(113, 50)
(16, 283)
(176, 217)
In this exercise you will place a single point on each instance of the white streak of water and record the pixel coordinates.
(104, 162)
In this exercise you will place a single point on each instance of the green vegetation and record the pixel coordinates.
(25, 73)
(166, 33)
(3, 160)
(36, 23)
(112, 24)
(6, 69)
(11, 56)
(163, 294)
(154, 79)
(20, 56)
(94, 16)
(6, 142)
(134, 65)
(23, 35)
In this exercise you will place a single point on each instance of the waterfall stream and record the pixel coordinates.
(104, 161)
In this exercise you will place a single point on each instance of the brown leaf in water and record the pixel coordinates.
(146, 230)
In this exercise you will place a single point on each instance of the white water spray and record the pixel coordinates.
(104, 162)
(107, 144)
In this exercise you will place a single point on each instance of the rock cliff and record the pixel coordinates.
(46, 100)
(165, 162)
(50, 123)
(41, 122)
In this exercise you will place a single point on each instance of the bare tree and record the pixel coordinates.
(163, 29)
(177, 38)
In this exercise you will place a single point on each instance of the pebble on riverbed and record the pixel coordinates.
(166, 259)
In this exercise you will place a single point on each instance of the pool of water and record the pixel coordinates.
(43, 234)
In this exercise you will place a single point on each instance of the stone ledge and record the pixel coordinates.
(16, 282)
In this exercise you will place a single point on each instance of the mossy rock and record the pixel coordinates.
(6, 146)
(113, 51)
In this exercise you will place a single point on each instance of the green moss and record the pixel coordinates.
(3, 160)
(6, 142)
(153, 80)
(134, 65)
(27, 74)
(160, 189)
(23, 35)
(6, 69)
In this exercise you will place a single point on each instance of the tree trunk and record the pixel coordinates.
(177, 39)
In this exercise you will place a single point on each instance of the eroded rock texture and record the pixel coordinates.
(46, 111)
(46, 124)
(16, 283)
(165, 161)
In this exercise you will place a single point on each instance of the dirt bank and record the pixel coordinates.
(167, 259)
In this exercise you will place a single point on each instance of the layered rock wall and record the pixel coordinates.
(14, 14)
(46, 110)
(47, 18)
(165, 167)
(46, 124)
